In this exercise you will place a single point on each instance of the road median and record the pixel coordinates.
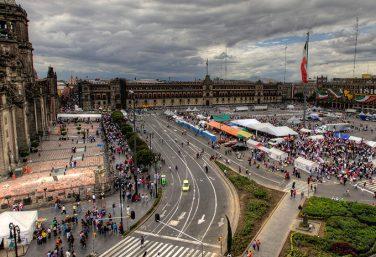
(256, 204)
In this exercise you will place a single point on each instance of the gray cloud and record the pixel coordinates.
(162, 38)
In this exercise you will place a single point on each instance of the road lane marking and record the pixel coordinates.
(182, 216)
(172, 238)
(221, 223)
(202, 220)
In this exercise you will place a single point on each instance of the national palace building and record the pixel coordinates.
(119, 93)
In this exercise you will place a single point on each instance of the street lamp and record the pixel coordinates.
(15, 234)
(121, 204)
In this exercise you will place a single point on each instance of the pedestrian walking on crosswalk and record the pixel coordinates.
(142, 241)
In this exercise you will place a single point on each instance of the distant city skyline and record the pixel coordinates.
(164, 38)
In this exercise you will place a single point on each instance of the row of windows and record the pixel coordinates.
(243, 99)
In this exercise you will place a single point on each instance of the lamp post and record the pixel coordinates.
(15, 234)
(121, 202)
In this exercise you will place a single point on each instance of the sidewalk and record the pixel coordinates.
(101, 242)
(276, 229)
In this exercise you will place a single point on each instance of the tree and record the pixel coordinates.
(229, 235)
(117, 116)
(140, 144)
(145, 157)
(126, 130)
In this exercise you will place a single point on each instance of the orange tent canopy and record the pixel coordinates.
(227, 129)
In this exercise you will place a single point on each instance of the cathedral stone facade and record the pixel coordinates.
(27, 105)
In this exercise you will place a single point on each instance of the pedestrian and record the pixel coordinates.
(254, 245)
(258, 243)
(302, 194)
(142, 241)
(145, 253)
(250, 253)
(63, 210)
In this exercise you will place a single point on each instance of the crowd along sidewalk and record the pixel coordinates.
(277, 227)
(101, 243)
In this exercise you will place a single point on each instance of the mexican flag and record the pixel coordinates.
(321, 96)
(365, 98)
(336, 95)
(303, 65)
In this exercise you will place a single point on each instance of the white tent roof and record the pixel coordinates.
(357, 140)
(304, 130)
(24, 219)
(304, 164)
(246, 122)
(371, 144)
(242, 108)
(280, 131)
(79, 115)
(265, 127)
(316, 137)
(253, 143)
(277, 154)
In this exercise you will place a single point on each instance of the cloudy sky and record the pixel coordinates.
(173, 38)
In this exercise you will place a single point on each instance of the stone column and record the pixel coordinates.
(23, 139)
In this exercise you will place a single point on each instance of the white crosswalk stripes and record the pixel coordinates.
(131, 247)
(299, 185)
(370, 187)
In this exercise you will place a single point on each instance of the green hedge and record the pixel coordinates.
(256, 206)
(350, 229)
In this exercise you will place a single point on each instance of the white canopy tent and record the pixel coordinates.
(79, 116)
(201, 117)
(265, 128)
(280, 131)
(316, 137)
(371, 144)
(24, 219)
(304, 130)
(241, 108)
(357, 140)
(247, 123)
(290, 107)
(277, 154)
(253, 144)
(305, 165)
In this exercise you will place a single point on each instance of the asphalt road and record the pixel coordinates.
(199, 213)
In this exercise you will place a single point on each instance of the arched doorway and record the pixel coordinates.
(207, 103)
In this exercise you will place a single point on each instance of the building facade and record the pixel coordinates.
(27, 104)
(150, 93)
(342, 93)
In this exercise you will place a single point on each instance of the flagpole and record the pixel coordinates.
(304, 88)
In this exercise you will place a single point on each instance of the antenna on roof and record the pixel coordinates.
(356, 43)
